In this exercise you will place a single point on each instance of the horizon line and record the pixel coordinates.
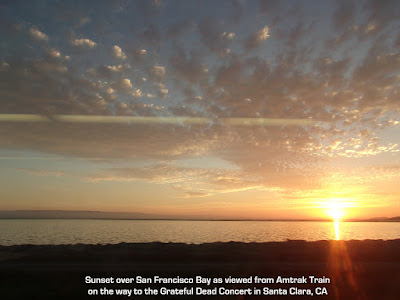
(161, 217)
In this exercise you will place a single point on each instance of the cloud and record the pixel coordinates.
(257, 38)
(137, 93)
(4, 66)
(194, 182)
(37, 34)
(111, 72)
(370, 28)
(69, 139)
(202, 182)
(161, 89)
(189, 194)
(84, 43)
(117, 68)
(157, 73)
(54, 53)
(123, 84)
(38, 85)
(229, 36)
(262, 35)
(138, 56)
(118, 53)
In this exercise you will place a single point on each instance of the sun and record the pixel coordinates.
(336, 213)
(336, 209)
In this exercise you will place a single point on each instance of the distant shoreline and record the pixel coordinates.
(210, 220)
(99, 215)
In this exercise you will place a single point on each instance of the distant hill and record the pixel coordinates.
(378, 219)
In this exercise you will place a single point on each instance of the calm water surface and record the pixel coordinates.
(13, 232)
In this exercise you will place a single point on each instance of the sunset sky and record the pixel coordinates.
(231, 109)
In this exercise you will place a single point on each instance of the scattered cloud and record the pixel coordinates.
(54, 53)
(157, 73)
(4, 66)
(228, 35)
(137, 93)
(258, 38)
(84, 43)
(118, 53)
(124, 84)
(37, 34)
(162, 89)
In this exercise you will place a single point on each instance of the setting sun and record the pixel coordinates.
(336, 209)
(336, 213)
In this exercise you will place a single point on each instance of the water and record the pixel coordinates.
(13, 232)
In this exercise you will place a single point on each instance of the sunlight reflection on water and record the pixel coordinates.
(337, 232)
(192, 232)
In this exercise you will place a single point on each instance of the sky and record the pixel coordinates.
(225, 109)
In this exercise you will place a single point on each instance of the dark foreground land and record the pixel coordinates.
(367, 269)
